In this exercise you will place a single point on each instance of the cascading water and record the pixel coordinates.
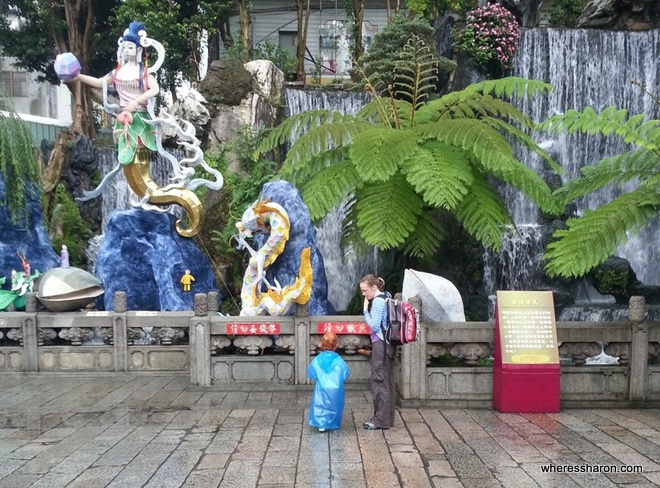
(589, 68)
(342, 267)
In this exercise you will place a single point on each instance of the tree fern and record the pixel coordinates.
(416, 74)
(402, 158)
(483, 214)
(377, 152)
(387, 212)
(441, 174)
(595, 236)
(613, 170)
(321, 139)
(293, 128)
(329, 187)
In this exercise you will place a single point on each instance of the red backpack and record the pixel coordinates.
(401, 322)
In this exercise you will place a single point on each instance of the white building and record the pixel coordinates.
(40, 103)
(328, 44)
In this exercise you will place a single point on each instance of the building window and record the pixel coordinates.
(15, 83)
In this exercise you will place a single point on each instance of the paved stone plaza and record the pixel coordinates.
(130, 431)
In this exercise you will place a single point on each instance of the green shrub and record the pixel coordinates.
(566, 13)
(67, 226)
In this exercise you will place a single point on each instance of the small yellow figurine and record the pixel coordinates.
(186, 280)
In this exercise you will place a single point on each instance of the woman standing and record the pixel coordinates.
(382, 354)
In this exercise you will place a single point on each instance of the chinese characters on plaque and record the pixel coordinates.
(527, 327)
(344, 328)
(253, 329)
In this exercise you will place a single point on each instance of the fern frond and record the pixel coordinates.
(426, 238)
(494, 153)
(374, 112)
(472, 105)
(440, 173)
(524, 139)
(437, 109)
(632, 130)
(594, 237)
(416, 73)
(293, 127)
(329, 187)
(321, 139)
(302, 173)
(483, 214)
(378, 152)
(510, 86)
(613, 170)
(387, 212)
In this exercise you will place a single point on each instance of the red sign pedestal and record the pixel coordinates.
(526, 388)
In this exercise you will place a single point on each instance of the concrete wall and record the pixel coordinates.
(202, 343)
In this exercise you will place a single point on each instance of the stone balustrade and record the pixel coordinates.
(450, 365)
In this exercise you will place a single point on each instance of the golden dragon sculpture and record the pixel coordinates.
(271, 218)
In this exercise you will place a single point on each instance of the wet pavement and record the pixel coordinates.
(130, 431)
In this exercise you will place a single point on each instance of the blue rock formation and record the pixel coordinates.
(29, 237)
(143, 255)
(302, 234)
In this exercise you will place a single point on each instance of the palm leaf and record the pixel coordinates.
(594, 237)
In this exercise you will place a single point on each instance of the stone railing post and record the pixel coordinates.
(30, 339)
(301, 359)
(119, 331)
(638, 348)
(412, 384)
(199, 333)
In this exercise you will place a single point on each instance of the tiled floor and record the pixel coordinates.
(130, 431)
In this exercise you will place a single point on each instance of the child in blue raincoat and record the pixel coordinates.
(330, 371)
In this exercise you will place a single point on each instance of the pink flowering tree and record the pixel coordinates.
(490, 37)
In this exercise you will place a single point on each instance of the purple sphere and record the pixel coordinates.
(66, 66)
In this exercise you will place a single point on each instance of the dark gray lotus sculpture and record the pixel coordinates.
(68, 289)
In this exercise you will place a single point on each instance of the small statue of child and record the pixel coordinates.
(186, 280)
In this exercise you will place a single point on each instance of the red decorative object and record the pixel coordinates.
(253, 329)
(344, 328)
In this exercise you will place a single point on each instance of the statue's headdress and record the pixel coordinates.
(135, 33)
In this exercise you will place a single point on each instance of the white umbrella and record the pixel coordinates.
(441, 301)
